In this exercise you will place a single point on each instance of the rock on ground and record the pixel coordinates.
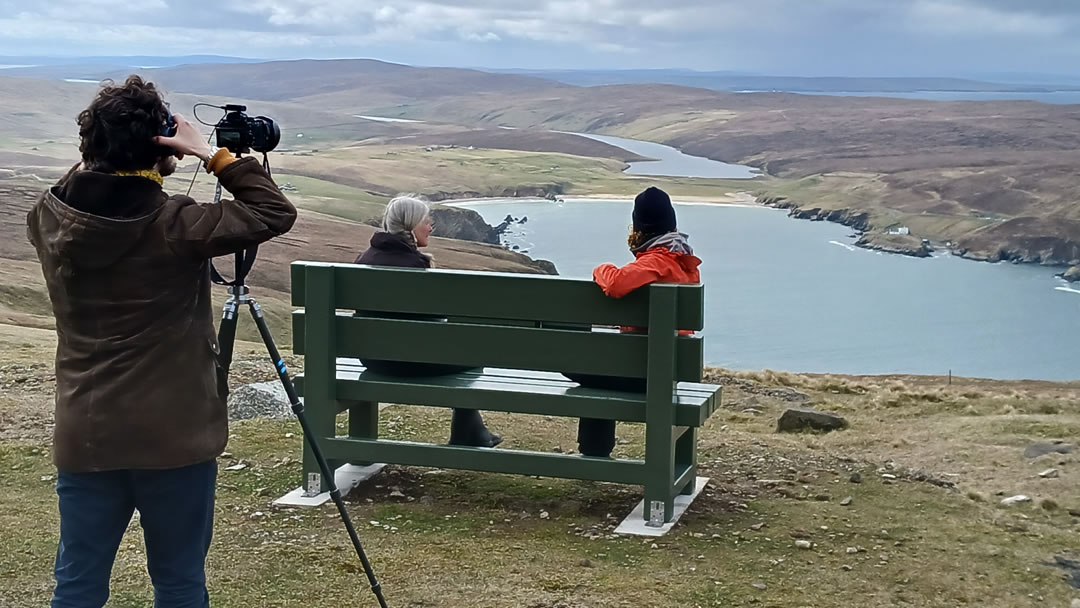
(1042, 449)
(799, 419)
(259, 400)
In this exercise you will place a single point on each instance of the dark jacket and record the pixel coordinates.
(127, 268)
(396, 250)
(393, 250)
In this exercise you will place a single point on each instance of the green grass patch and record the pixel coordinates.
(453, 538)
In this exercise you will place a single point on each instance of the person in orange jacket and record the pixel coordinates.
(662, 255)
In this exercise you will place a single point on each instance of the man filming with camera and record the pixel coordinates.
(140, 396)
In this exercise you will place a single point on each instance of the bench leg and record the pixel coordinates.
(686, 458)
(363, 422)
(659, 476)
(658, 497)
(322, 418)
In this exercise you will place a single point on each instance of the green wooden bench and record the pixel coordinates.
(515, 327)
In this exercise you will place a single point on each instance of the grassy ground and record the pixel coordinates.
(446, 538)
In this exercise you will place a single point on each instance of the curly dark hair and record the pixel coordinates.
(636, 239)
(117, 130)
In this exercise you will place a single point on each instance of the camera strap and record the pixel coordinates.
(244, 260)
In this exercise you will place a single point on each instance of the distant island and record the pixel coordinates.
(729, 81)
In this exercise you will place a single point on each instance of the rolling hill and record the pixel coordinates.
(992, 180)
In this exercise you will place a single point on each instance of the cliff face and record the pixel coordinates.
(1032, 240)
(859, 220)
(1026, 239)
(463, 224)
(468, 225)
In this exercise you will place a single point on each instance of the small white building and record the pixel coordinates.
(899, 230)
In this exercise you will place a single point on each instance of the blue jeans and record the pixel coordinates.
(176, 512)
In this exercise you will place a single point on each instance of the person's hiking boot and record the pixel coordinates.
(596, 437)
(467, 428)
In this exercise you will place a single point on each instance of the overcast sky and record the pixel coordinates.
(798, 37)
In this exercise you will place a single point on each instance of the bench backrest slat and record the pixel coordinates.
(527, 322)
(489, 295)
(601, 353)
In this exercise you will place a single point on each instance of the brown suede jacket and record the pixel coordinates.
(127, 267)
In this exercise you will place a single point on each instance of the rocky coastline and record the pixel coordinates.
(902, 244)
(859, 220)
(468, 225)
(986, 246)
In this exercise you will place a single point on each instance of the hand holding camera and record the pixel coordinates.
(187, 140)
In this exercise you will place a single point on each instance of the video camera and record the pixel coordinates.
(241, 133)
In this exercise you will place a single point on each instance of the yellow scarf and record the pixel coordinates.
(147, 173)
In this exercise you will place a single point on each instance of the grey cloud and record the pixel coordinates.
(826, 36)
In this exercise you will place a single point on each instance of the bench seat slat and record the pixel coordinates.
(484, 459)
(504, 392)
(522, 376)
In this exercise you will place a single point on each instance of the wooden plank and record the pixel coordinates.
(320, 369)
(500, 395)
(607, 353)
(298, 283)
(491, 295)
(485, 459)
(659, 416)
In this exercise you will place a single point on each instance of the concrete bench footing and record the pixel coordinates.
(346, 477)
(635, 524)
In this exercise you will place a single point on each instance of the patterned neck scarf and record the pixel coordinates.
(149, 174)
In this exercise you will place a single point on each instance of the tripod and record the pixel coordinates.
(239, 294)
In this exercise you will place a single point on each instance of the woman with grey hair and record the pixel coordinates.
(406, 227)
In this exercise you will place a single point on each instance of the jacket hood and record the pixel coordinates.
(93, 219)
(675, 242)
(674, 245)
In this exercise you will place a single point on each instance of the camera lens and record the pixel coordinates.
(241, 133)
(269, 134)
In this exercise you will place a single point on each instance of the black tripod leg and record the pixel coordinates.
(328, 475)
(227, 333)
